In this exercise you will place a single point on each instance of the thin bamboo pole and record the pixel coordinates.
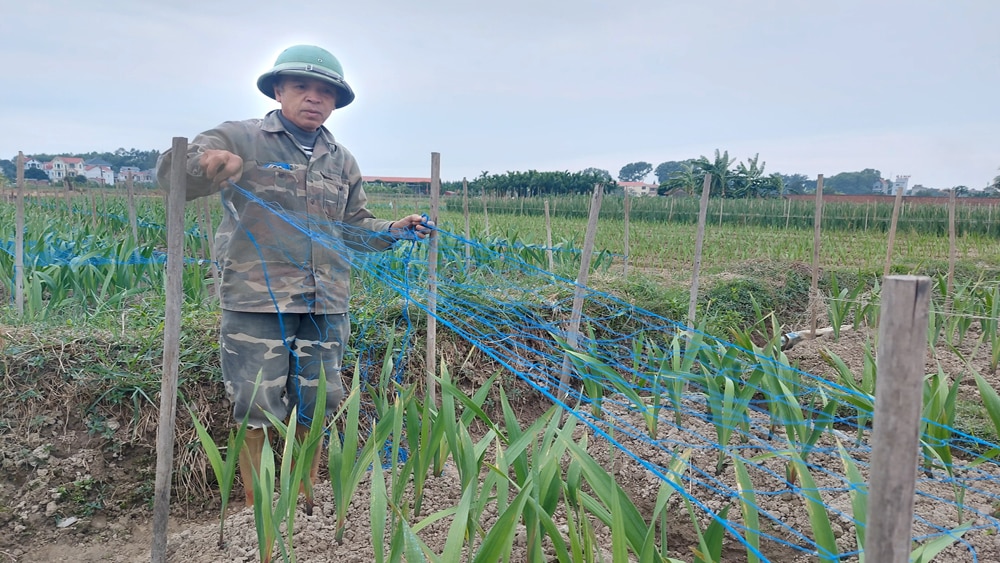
(902, 346)
(210, 233)
(19, 239)
(465, 211)
(897, 204)
(548, 238)
(486, 217)
(699, 241)
(68, 196)
(171, 348)
(817, 221)
(952, 251)
(573, 332)
(432, 254)
(132, 217)
(628, 210)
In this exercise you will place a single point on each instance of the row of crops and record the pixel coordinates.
(730, 430)
(768, 213)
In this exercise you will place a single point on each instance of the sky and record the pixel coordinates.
(907, 87)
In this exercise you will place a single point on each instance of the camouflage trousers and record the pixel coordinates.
(287, 350)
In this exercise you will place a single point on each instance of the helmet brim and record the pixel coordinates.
(266, 82)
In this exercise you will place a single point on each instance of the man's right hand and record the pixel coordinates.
(221, 165)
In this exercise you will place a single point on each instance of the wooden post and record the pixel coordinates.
(897, 204)
(788, 212)
(548, 239)
(952, 250)
(486, 216)
(171, 347)
(19, 238)
(132, 219)
(68, 196)
(465, 211)
(722, 201)
(628, 211)
(93, 209)
(699, 241)
(432, 253)
(817, 221)
(902, 346)
(573, 333)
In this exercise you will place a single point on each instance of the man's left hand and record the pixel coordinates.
(410, 226)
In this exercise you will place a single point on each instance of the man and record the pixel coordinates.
(293, 203)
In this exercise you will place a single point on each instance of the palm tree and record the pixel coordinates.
(686, 178)
(719, 169)
(749, 181)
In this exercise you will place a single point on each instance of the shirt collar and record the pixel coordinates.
(272, 124)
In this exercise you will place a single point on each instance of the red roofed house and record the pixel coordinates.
(103, 175)
(62, 166)
(419, 185)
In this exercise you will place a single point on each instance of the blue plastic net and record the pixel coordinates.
(723, 423)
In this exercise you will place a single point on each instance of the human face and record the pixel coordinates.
(306, 102)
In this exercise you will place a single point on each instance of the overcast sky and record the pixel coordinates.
(909, 87)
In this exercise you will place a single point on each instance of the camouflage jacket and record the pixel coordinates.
(285, 237)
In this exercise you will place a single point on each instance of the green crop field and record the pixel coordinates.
(720, 417)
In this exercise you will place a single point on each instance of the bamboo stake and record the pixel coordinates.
(19, 239)
(93, 210)
(902, 346)
(897, 204)
(171, 348)
(465, 211)
(952, 251)
(548, 239)
(132, 219)
(628, 210)
(68, 197)
(573, 333)
(209, 232)
(432, 253)
(706, 189)
(486, 217)
(817, 221)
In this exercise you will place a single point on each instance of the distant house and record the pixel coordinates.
(32, 163)
(63, 166)
(419, 185)
(138, 176)
(96, 162)
(639, 188)
(103, 175)
(882, 186)
(900, 183)
(123, 174)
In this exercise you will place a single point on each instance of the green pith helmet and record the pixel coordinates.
(312, 62)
